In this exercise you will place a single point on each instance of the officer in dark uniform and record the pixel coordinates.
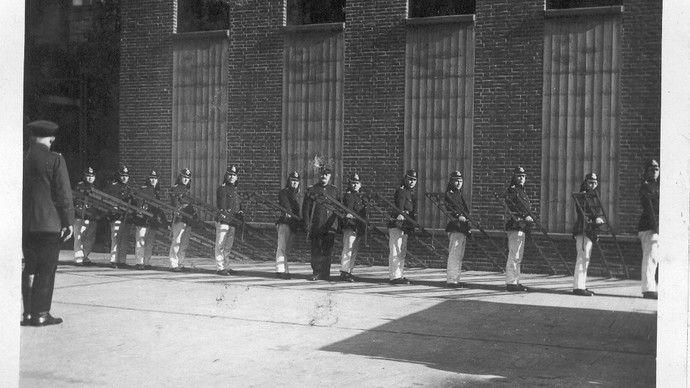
(86, 220)
(146, 226)
(458, 228)
(286, 224)
(322, 224)
(517, 229)
(227, 200)
(648, 228)
(47, 220)
(181, 224)
(399, 228)
(119, 222)
(353, 229)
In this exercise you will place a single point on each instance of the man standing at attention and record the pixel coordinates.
(323, 225)
(47, 219)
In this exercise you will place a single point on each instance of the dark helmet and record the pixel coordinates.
(456, 175)
(89, 171)
(293, 176)
(185, 173)
(153, 174)
(411, 173)
(354, 178)
(519, 170)
(123, 170)
(592, 176)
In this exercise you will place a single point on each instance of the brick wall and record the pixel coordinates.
(507, 101)
(640, 103)
(375, 92)
(255, 92)
(146, 62)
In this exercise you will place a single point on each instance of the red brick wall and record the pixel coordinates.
(146, 62)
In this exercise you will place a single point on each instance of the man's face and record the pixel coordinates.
(324, 178)
(591, 185)
(153, 180)
(124, 178)
(411, 182)
(356, 186)
(294, 184)
(185, 180)
(232, 178)
(653, 172)
(521, 179)
(457, 184)
(90, 178)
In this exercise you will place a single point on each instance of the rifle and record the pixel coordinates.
(109, 203)
(342, 211)
(435, 199)
(270, 205)
(519, 203)
(407, 217)
(222, 214)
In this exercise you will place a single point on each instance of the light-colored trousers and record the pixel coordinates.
(583, 246)
(350, 249)
(456, 252)
(650, 259)
(225, 239)
(118, 237)
(180, 242)
(144, 239)
(84, 237)
(397, 248)
(516, 248)
(285, 237)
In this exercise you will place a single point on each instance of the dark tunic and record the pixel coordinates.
(518, 193)
(228, 200)
(584, 224)
(405, 200)
(121, 191)
(353, 200)
(649, 198)
(84, 210)
(455, 203)
(322, 219)
(158, 219)
(188, 212)
(287, 198)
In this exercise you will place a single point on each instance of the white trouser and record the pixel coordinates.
(650, 259)
(397, 248)
(583, 246)
(456, 252)
(144, 240)
(225, 239)
(350, 249)
(118, 237)
(516, 247)
(84, 237)
(180, 242)
(285, 237)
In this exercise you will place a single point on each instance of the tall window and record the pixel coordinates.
(315, 11)
(427, 8)
(580, 113)
(202, 15)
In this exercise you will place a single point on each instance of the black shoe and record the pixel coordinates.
(515, 287)
(26, 321)
(400, 281)
(223, 272)
(113, 265)
(316, 277)
(453, 285)
(86, 261)
(175, 269)
(139, 266)
(45, 320)
(347, 277)
(79, 264)
(581, 292)
(650, 295)
(148, 266)
(283, 275)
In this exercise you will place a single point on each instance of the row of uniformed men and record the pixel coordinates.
(323, 224)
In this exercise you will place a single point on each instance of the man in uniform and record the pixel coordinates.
(119, 222)
(648, 228)
(321, 224)
(353, 229)
(228, 201)
(400, 227)
(286, 224)
(517, 229)
(182, 222)
(47, 220)
(86, 219)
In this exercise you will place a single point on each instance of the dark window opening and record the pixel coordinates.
(202, 15)
(315, 11)
(566, 4)
(427, 8)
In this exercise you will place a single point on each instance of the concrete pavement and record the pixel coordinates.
(155, 328)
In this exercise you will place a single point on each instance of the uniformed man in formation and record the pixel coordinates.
(228, 202)
(86, 220)
(287, 224)
(147, 226)
(119, 219)
(353, 228)
(322, 224)
(401, 226)
(182, 221)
